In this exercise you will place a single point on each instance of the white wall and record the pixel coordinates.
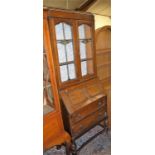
(101, 21)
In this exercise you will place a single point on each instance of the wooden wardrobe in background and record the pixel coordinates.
(103, 55)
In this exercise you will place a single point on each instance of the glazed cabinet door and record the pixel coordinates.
(48, 98)
(64, 45)
(86, 48)
(73, 49)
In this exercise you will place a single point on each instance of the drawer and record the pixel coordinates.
(87, 110)
(89, 121)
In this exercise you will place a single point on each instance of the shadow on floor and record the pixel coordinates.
(101, 145)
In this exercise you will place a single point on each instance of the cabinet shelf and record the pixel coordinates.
(103, 64)
(101, 51)
(105, 78)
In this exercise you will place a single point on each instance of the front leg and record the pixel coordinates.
(73, 147)
(68, 148)
(58, 147)
(106, 124)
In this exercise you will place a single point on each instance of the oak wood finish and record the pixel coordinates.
(103, 51)
(53, 130)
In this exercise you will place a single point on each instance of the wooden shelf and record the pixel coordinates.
(104, 64)
(107, 77)
(101, 51)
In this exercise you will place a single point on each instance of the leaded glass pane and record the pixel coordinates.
(84, 31)
(65, 51)
(49, 92)
(81, 32)
(89, 49)
(70, 54)
(45, 70)
(85, 49)
(61, 52)
(63, 73)
(47, 108)
(84, 68)
(67, 30)
(71, 69)
(59, 31)
(48, 99)
(82, 50)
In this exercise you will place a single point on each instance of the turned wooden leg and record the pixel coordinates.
(68, 147)
(67, 139)
(106, 126)
(58, 147)
(73, 147)
(106, 130)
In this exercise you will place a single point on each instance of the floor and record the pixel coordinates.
(101, 145)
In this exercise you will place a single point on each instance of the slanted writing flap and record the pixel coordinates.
(81, 95)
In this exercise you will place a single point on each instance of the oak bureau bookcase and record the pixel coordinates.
(83, 101)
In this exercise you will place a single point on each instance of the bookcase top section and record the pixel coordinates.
(70, 14)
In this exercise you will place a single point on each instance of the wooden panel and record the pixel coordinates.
(53, 132)
(93, 90)
(51, 126)
(103, 51)
(104, 72)
(106, 83)
(70, 14)
(103, 59)
(103, 38)
(77, 96)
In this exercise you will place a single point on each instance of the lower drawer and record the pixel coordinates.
(89, 121)
(87, 110)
